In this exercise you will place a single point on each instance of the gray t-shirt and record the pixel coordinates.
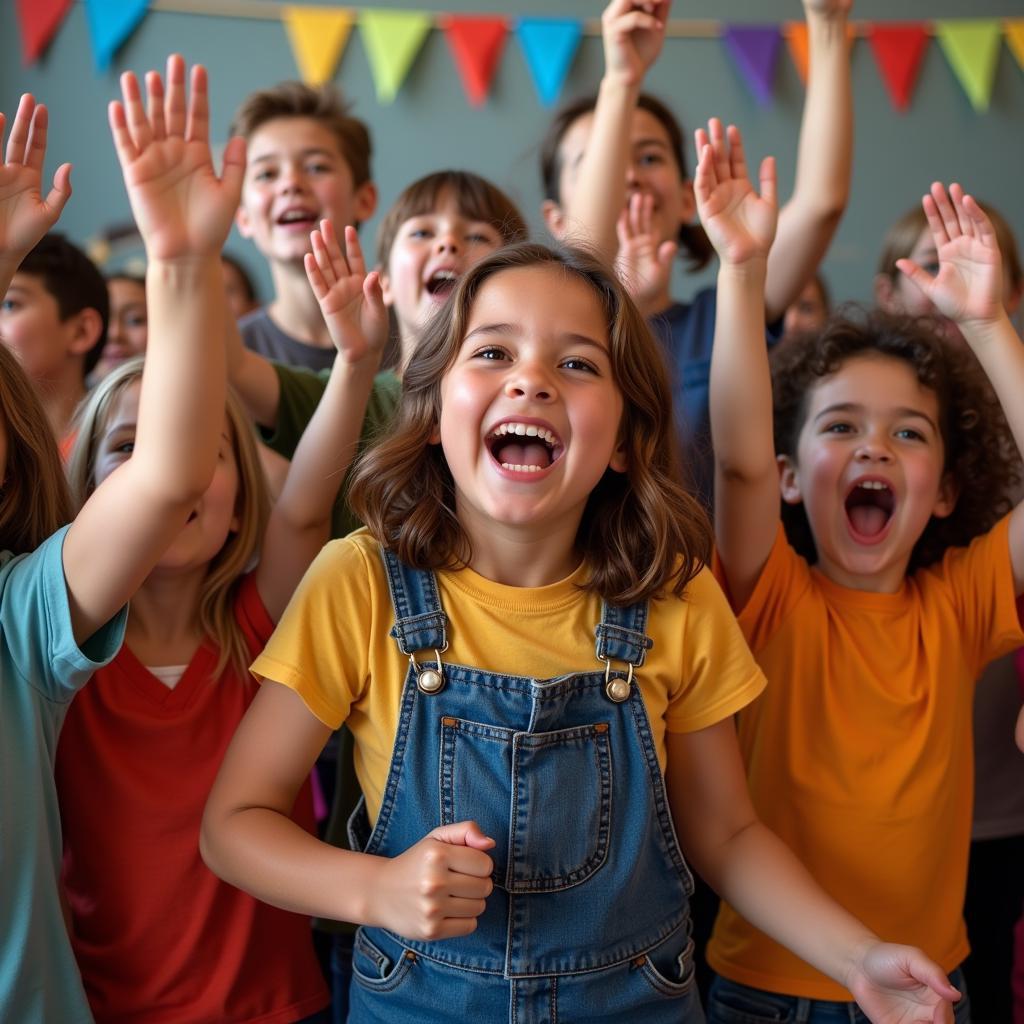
(261, 335)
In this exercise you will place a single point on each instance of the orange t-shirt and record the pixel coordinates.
(157, 935)
(859, 751)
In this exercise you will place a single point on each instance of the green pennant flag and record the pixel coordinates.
(392, 40)
(972, 49)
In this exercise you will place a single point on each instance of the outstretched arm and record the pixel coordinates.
(968, 290)
(758, 874)
(633, 33)
(353, 307)
(824, 158)
(253, 378)
(741, 226)
(24, 215)
(183, 211)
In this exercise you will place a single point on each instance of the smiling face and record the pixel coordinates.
(127, 328)
(214, 517)
(652, 170)
(869, 470)
(296, 174)
(530, 412)
(431, 251)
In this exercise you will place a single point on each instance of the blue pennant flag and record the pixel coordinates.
(549, 44)
(111, 22)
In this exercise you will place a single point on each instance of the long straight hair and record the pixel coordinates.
(216, 612)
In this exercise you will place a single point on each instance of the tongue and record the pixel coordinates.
(868, 520)
(528, 453)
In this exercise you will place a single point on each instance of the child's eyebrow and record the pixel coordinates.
(275, 155)
(485, 330)
(653, 141)
(855, 407)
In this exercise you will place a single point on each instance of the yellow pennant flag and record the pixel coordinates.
(1015, 37)
(392, 40)
(318, 35)
(972, 49)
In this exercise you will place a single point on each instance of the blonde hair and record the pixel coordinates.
(252, 505)
(34, 497)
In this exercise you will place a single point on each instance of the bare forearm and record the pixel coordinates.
(253, 377)
(824, 165)
(1001, 354)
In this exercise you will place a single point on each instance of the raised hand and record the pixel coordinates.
(633, 33)
(643, 265)
(350, 298)
(24, 215)
(437, 888)
(739, 222)
(828, 8)
(900, 985)
(969, 284)
(181, 207)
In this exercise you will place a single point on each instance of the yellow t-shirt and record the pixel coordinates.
(332, 647)
(859, 752)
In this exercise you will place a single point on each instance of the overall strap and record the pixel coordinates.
(420, 621)
(621, 634)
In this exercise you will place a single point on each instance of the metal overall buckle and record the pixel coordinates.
(618, 690)
(430, 680)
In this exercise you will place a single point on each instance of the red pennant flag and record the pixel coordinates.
(476, 45)
(39, 20)
(899, 49)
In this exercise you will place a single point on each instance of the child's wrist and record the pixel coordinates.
(981, 332)
(748, 273)
(620, 85)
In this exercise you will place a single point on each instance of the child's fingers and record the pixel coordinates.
(233, 173)
(198, 127)
(705, 180)
(353, 252)
(373, 293)
(174, 101)
(313, 275)
(339, 263)
(127, 151)
(646, 214)
(326, 266)
(718, 149)
(155, 105)
(135, 115)
(767, 180)
(20, 129)
(935, 222)
(61, 191)
(945, 210)
(667, 253)
(981, 226)
(35, 147)
(913, 273)
(637, 21)
(737, 157)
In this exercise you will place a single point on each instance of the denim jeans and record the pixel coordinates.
(729, 1002)
(341, 975)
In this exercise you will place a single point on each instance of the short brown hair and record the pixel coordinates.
(979, 450)
(476, 198)
(324, 104)
(901, 238)
(641, 532)
(693, 241)
(34, 497)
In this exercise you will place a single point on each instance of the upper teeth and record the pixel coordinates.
(873, 485)
(295, 215)
(525, 430)
(444, 275)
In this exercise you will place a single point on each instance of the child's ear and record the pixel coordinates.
(242, 221)
(554, 218)
(364, 202)
(688, 202)
(789, 480)
(619, 460)
(435, 434)
(385, 287)
(83, 330)
(885, 294)
(949, 492)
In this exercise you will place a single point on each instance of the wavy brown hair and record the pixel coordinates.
(641, 532)
(34, 496)
(216, 610)
(693, 241)
(980, 454)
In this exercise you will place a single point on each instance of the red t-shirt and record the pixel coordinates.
(157, 935)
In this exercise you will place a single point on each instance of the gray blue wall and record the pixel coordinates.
(431, 125)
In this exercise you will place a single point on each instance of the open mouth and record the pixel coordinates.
(441, 283)
(869, 508)
(298, 218)
(524, 447)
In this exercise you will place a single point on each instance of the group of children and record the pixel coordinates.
(601, 526)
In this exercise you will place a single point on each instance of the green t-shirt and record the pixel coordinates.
(301, 391)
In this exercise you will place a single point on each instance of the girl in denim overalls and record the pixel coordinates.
(539, 675)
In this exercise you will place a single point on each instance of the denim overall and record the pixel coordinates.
(589, 917)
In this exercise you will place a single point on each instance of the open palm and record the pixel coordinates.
(634, 33)
(180, 205)
(739, 222)
(900, 985)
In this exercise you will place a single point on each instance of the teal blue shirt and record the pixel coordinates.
(41, 669)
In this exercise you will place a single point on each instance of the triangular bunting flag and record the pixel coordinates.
(549, 45)
(898, 50)
(755, 48)
(1015, 37)
(392, 40)
(972, 49)
(476, 45)
(111, 22)
(797, 41)
(39, 20)
(318, 35)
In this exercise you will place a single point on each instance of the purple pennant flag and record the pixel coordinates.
(755, 48)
